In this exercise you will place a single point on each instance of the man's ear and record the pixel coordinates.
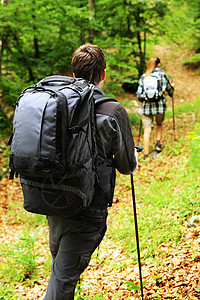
(104, 74)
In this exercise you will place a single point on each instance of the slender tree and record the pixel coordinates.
(35, 36)
(91, 4)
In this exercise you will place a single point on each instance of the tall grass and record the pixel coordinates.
(195, 147)
(165, 202)
(185, 108)
(162, 212)
(19, 259)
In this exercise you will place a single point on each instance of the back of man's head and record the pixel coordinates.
(89, 62)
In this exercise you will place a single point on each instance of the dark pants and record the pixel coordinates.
(72, 242)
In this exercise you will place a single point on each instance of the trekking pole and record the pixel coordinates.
(140, 131)
(173, 117)
(136, 230)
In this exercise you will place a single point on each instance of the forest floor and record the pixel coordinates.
(178, 270)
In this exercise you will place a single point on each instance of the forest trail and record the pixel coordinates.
(176, 275)
(98, 278)
(186, 80)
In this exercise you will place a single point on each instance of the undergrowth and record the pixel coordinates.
(165, 201)
(163, 205)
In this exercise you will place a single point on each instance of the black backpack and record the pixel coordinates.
(54, 147)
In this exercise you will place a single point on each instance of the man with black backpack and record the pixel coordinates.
(74, 239)
(151, 92)
(68, 139)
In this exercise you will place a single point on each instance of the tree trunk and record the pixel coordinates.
(1, 55)
(142, 52)
(35, 39)
(25, 58)
(91, 4)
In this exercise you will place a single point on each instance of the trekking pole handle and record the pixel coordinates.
(139, 148)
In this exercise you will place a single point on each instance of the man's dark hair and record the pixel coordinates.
(89, 62)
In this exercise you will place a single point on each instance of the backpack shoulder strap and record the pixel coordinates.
(106, 109)
(99, 99)
(56, 80)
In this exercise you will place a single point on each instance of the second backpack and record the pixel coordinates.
(151, 89)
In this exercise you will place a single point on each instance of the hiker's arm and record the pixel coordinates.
(140, 90)
(124, 148)
(170, 87)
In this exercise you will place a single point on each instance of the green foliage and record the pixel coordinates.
(134, 120)
(79, 290)
(33, 225)
(195, 146)
(185, 108)
(162, 225)
(133, 286)
(12, 87)
(7, 291)
(181, 23)
(128, 26)
(39, 37)
(173, 148)
(18, 215)
(118, 66)
(193, 61)
(19, 259)
(4, 155)
(164, 202)
(3, 121)
(42, 35)
(98, 296)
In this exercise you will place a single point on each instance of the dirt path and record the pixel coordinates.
(181, 273)
(186, 80)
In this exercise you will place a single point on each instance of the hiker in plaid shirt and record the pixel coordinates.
(154, 109)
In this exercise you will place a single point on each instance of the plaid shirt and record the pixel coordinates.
(159, 107)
